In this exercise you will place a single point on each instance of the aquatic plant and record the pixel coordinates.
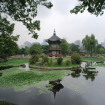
(16, 77)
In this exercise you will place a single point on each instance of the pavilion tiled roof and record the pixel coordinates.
(54, 38)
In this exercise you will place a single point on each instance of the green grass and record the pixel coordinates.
(93, 59)
(54, 63)
(18, 77)
(101, 65)
(14, 62)
(62, 65)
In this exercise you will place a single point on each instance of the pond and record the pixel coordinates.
(84, 87)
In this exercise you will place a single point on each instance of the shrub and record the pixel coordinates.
(68, 62)
(45, 58)
(51, 61)
(75, 58)
(59, 60)
(34, 59)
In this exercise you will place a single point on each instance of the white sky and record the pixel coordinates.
(70, 26)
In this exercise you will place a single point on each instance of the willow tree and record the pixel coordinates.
(90, 43)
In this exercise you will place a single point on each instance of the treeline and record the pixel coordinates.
(36, 48)
(89, 46)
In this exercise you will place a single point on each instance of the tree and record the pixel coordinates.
(35, 49)
(24, 11)
(90, 43)
(74, 48)
(45, 49)
(21, 51)
(8, 45)
(27, 50)
(100, 49)
(24, 51)
(65, 47)
(95, 7)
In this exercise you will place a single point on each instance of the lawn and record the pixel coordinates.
(15, 62)
(53, 63)
(93, 59)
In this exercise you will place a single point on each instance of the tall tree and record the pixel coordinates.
(45, 49)
(8, 45)
(24, 11)
(95, 7)
(74, 48)
(35, 49)
(65, 47)
(90, 43)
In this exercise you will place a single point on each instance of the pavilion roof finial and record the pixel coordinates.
(54, 32)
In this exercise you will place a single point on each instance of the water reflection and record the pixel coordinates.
(1, 74)
(60, 93)
(25, 66)
(76, 74)
(65, 96)
(5, 103)
(56, 86)
(90, 74)
(5, 67)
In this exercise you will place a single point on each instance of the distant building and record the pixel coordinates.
(103, 44)
(79, 43)
(54, 45)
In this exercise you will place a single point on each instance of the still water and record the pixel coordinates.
(85, 87)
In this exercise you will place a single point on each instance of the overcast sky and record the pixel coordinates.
(69, 26)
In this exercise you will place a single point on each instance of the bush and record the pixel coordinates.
(34, 59)
(45, 59)
(75, 58)
(59, 61)
(51, 61)
(68, 62)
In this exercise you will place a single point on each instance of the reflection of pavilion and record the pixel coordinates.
(56, 86)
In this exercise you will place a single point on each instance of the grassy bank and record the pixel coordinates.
(14, 62)
(93, 59)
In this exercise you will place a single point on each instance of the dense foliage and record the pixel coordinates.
(24, 11)
(74, 47)
(59, 60)
(90, 43)
(45, 49)
(45, 59)
(24, 51)
(35, 49)
(34, 59)
(100, 49)
(68, 62)
(65, 47)
(8, 45)
(75, 58)
(95, 7)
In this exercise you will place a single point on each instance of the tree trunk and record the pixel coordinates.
(91, 53)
